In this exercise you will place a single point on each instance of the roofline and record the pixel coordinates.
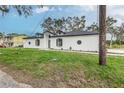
(63, 35)
(49, 32)
(75, 35)
(33, 37)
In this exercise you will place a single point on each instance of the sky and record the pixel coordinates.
(12, 22)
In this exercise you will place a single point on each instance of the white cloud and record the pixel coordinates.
(117, 12)
(89, 8)
(42, 10)
(52, 9)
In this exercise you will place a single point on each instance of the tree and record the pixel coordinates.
(79, 23)
(59, 25)
(20, 9)
(120, 33)
(75, 23)
(64, 24)
(93, 27)
(1, 34)
(53, 25)
(48, 24)
(15, 34)
(25, 10)
(102, 34)
(111, 29)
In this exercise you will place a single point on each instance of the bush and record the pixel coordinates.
(115, 44)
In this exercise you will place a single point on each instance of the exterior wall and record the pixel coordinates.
(32, 43)
(12, 41)
(1, 41)
(18, 40)
(46, 38)
(89, 43)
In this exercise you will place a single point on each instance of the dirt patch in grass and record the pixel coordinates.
(55, 80)
(76, 79)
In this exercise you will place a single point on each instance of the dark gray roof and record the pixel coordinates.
(77, 33)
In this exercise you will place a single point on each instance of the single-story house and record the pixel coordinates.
(74, 40)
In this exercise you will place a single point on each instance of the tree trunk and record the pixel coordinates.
(102, 34)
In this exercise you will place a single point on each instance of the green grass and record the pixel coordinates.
(65, 66)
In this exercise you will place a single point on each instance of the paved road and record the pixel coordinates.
(6, 81)
(118, 51)
(114, 52)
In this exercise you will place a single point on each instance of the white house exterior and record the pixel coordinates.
(76, 40)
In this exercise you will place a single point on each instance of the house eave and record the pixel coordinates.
(33, 37)
(74, 35)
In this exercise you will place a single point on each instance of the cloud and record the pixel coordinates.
(116, 11)
(42, 10)
(89, 8)
(52, 8)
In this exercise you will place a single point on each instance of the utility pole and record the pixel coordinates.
(102, 34)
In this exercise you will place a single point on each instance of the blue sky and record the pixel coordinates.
(14, 23)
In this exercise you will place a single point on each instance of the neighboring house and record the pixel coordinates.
(13, 41)
(1, 41)
(75, 40)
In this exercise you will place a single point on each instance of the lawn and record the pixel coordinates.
(64, 69)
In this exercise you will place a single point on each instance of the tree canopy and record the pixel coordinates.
(64, 24)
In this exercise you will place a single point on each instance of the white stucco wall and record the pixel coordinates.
(32, 43)
(1, 42)
(89, 43)
(46, 38)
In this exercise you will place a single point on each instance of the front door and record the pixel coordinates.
(49, 43)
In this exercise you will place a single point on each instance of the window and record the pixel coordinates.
(37, 42)
(58, 42)
(79, 42)
(29, 42)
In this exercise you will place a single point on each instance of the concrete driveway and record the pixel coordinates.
(116, 51)
(6, 81)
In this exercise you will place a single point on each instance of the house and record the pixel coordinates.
(1, 41)
(12, 41)
(75, 40)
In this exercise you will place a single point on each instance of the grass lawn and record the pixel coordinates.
(65, 69)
